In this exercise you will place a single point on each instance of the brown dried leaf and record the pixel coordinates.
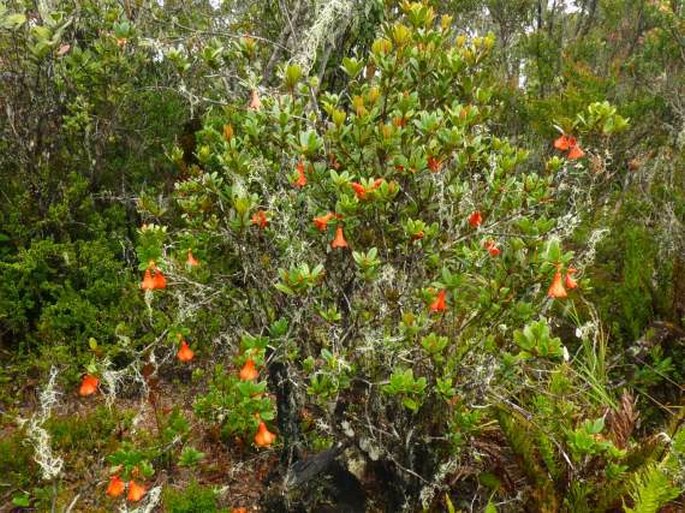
(622, 421)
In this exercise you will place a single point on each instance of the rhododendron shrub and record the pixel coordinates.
(382, 244)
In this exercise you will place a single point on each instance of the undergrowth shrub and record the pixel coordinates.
(398, 264)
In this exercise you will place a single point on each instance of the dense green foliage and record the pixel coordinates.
(434, 247)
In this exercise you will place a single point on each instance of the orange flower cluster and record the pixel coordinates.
(89, 385)
(153, 278)
(557, 289)
(117, 486)
(570, 144)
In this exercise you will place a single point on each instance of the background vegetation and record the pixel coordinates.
(358, 210)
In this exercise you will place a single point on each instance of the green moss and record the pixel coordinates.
(16, 461)
(194, 498)
(83, 433)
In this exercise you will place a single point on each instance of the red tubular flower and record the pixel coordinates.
(556, 289)
(89, 385)
(135, 491)
(116, 487)
(301, 178)
(439, 304)
(321, 222)
(569, 281)
(249, 372)
(185, 354)
(264, 438)
(259, 219)
(475, 219)
(378, 182)
(339, 240)
(191, 261)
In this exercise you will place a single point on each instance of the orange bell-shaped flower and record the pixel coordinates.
(185, 354)
(439, 304)
(89, 385)
(191, 261)
(259, 219)
(492, 248)
(159, 280)
(565, 142)
(556, 289)
(569, 281)
(321, 222)
(575, 152)
(475, 219)
(339, 240)
(116, 486)
(359, 190)
(264, 438)
(249, 372)
(148, 282)
(301, 177)
(255, 102)
(135, 491)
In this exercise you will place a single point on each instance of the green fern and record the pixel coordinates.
(518, 430)
(577, 498)
(651, 489)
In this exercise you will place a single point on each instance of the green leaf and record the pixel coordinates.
(13, 21)
(450, 506)
(285, 289)
(190, 457)
(490, 508)
(22, 501)
(597, 426)
(410, 404)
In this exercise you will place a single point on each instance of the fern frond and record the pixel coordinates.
(651, 489)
